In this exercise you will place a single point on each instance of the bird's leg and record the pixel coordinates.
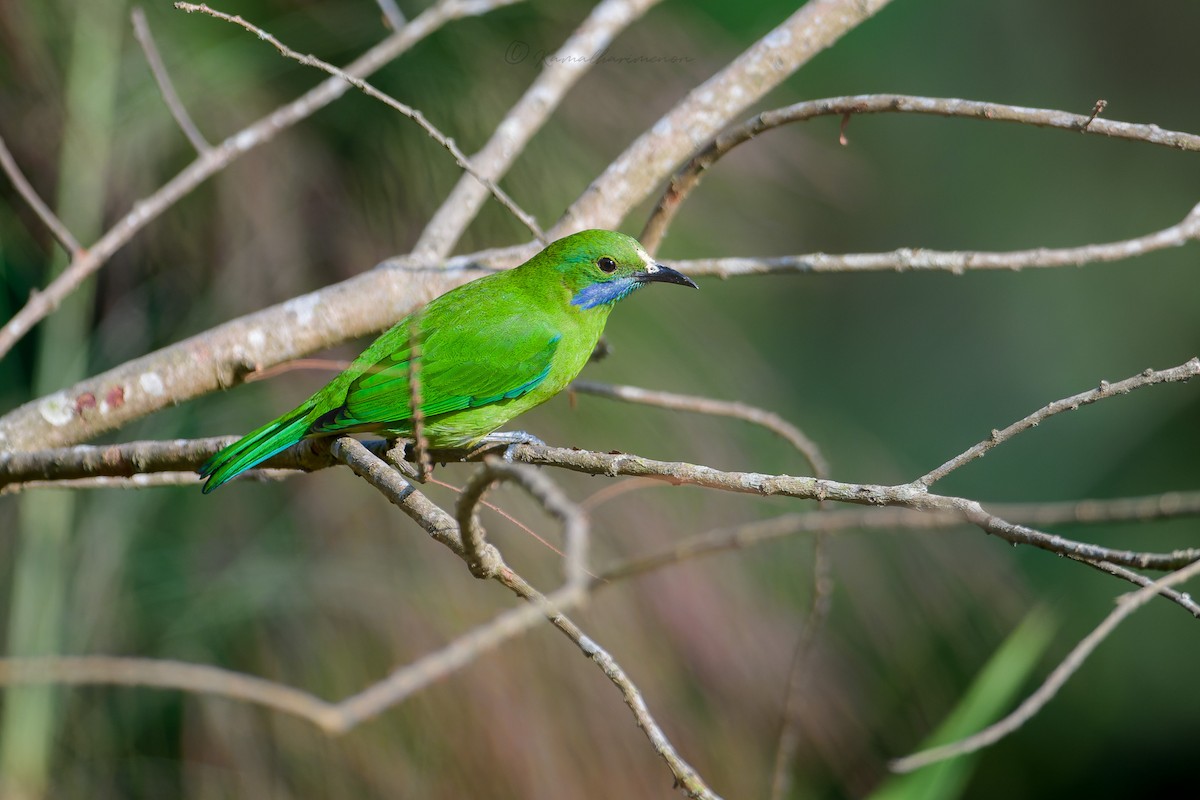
(507, 439)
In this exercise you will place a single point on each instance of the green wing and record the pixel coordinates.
(460, 368)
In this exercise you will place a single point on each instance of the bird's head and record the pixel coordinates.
(599, 268)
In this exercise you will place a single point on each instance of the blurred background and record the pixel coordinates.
(318, 583)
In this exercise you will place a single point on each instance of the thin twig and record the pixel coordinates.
(548, 495)
(85, 262)
(420, 443)
(1126, 605)
(141, 30)
(720, 408)
(48, 217)
(415, 115)
(1097, 110)
(1182, 599)
(516, 523)
(1105, 390)
(690, 175)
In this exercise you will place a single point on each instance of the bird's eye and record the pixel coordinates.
(606, 264)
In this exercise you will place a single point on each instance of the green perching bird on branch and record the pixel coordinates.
(487, 351)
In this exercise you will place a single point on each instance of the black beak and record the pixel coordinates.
(660, 274)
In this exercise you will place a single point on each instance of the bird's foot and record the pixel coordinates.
(396, 455)
(506, 439)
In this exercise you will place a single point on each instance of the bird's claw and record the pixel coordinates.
(509, 439)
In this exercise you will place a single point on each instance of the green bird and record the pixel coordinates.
(487, 351)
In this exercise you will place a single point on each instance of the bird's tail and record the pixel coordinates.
(256, 447)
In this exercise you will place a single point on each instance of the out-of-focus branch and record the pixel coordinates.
(47, 216)
(392, 14)
(1035, 702)
(708, 108)
(793, 715)
(85, 262)
(1158, 506)
(141, 30)
(559, 73)
(689, 176)
(414, 114)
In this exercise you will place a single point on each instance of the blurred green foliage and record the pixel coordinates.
(317, 583)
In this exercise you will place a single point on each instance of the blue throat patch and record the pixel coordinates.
(606, 293)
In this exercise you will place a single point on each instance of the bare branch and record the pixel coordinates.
(708, 108)
(559, 73)
(415, 115)
(48, 217)
(689, 176)
(439, 524)
(906, 259)
(85, 262)
(143, 459)
(912, 496)
(1126, 605)
(1149, 377)
(141, 30)
(1182, 599)
(720, 408)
